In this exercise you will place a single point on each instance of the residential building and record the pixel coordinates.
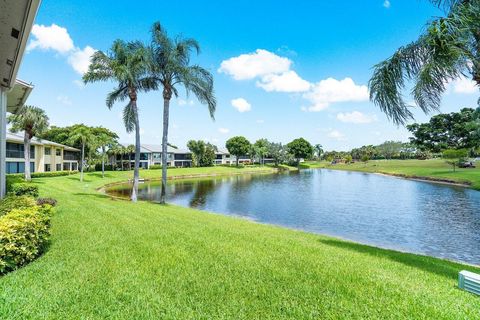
(45, 156)
(17, 20)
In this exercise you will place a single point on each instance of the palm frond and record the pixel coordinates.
(119, 94)
(129, 117)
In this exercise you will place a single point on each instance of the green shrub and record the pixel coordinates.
(20, 189)
(108, 167)
(24, 235)
(49, 201)
(16, 202)
(155, 167)
(43, 174)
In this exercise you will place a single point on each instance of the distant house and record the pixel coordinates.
(45, 156)
(151, 154)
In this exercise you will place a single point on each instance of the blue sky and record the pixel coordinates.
(282, 69)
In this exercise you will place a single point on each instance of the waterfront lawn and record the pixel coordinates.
(434, 169)
(112, 259)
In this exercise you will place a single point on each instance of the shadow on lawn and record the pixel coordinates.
(96, 195)
(440, 267)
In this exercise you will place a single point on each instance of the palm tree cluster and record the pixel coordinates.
(163, 64)
(448, 49)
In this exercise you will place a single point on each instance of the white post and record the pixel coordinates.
(3, 141)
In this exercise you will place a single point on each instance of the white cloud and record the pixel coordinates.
(464, 85)
(260, 121)
(57, 38)
(288, 81)
(223, 130)
(64, 100)
(386, 4)
(356, 117)
(330, 90)
(336, 135)
(257, 64)
(53, 37)
(241, 105)
(80, 59)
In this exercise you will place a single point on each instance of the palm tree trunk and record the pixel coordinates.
(136, 173)
(166, 107)
(26, 154)
(103, 161)
(130, 160)
(83, 161)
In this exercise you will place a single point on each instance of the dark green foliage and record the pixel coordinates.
(43, 201)
(300, 149)
(24, 189)
(15, 202)
(454, 156)
(24, 235)
(108, 167)
(238, 146)
(44, 174)
(203, 153)
(446, 131)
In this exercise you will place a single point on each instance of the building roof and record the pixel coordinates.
(16, 19)
(18, 95)
(14, 137)
(158, 148)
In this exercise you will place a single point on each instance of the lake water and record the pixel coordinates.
(413, 216)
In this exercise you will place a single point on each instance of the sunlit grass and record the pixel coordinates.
(112, 259)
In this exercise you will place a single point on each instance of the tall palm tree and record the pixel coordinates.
(129, 150)
(170, 66)
(318, 150)
(448, 49)
(33, 121)
(82, 134)
(125, 64)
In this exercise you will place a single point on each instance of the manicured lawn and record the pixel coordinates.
(436, 169)
(112, 259)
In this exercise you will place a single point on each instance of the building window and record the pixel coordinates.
(48, 168)
(58, 152)
(74, 166)
(70, 155)
(66, 166)
(58, 167)
(15, 150)
(18, 167)
(48, 151)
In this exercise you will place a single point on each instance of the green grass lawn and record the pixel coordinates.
(433, 169)
(112, 259)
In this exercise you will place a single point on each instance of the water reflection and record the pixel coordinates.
(421, 217)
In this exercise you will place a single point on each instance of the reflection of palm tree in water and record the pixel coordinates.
(202, 189)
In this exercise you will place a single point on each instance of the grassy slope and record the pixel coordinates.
(436, 169)
(118, 260)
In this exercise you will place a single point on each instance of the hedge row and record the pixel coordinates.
(45, 174)
(24, 232)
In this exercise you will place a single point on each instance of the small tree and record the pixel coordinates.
(82, 134)
(300, 149)
(278, 152)
(318, 151)
(348, 158)
(203, 154)
(238, 146)
(454, 156)
(260, 148)
(365, 158)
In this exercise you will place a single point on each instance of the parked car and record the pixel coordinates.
(466, 164)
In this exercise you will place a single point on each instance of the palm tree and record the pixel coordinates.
(82, 134)
(33, 121)
(126, 64)
(103, 141)
(170, 66)
(129, 150)
(318, 150)
(447, 50)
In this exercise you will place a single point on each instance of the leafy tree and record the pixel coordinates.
(84, 135)
(365, 158)
(260, 149)
(300, 148)
(238, 146)
(33, 121)
(454, 156)
(203, 153)
(170, 67)
(390, 149)
(104, 141)
(278, 152)
(454, 130)
(126, 64)
(449, 48)
(348, 158)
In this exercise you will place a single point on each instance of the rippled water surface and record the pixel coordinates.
(420, 217)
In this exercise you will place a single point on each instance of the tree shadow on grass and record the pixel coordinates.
(99, 174)
(96, 195)
(440, 267)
